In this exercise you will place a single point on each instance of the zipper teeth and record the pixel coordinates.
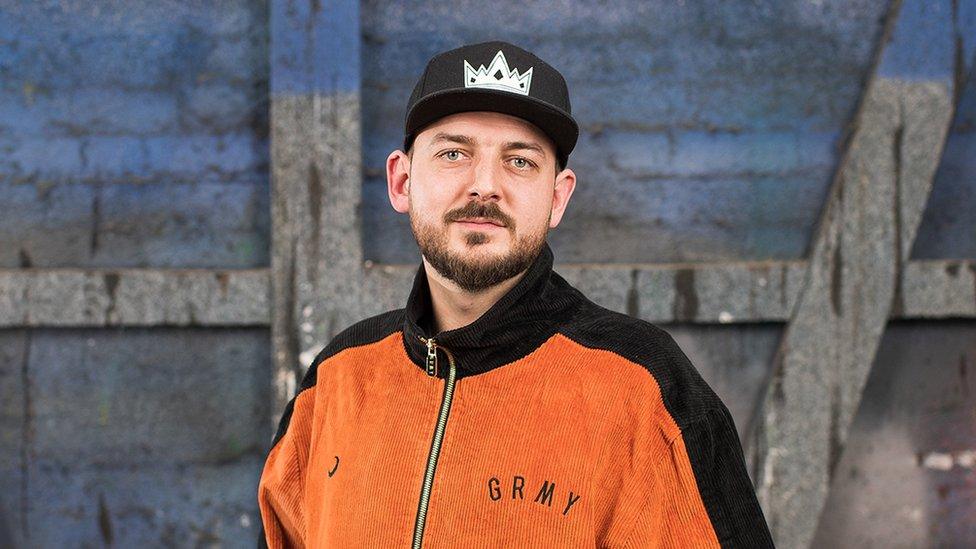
(435, 449)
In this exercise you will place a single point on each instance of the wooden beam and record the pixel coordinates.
(700, 293)
(856, 273)
(133, 297)
(316, 175)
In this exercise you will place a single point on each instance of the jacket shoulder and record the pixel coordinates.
(685, 393)
(366, 331)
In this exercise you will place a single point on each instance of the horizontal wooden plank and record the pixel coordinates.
(660, 293)
(133, 297)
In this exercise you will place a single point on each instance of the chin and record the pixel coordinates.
(495, 241)
(492, 248)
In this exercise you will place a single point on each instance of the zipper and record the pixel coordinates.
(435, 445)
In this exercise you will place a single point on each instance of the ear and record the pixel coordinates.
(398, 180)
(563, 189)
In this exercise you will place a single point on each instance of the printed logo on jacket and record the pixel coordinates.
(498, 490)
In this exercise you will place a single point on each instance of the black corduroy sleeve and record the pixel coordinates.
(720, 471)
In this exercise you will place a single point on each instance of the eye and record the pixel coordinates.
(522, 163)
(453, 155)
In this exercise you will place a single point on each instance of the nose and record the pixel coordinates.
(484, 181)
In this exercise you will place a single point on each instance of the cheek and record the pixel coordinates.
(537, 210)
(427, 205)
(429, 188)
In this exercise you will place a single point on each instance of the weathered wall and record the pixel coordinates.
(905, 479)
(134, 134)
(711, 127)
(948, 226)
(138, 436)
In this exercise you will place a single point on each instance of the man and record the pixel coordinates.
(500, 407)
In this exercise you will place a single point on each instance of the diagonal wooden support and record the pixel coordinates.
(856, 264)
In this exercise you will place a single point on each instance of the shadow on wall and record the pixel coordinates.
(905, 477)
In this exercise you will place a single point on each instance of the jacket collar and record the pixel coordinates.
(518, 323)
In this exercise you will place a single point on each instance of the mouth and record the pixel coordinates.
(479, 223)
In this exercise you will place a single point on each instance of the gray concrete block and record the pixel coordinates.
(939, 289)
(867, 229)
(657, 295)
(608, 287)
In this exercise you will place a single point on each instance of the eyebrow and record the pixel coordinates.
(453, 138)
(466, 140)
(523, 145)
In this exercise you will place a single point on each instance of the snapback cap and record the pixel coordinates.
(499, 77)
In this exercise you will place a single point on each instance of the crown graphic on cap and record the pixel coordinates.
(456, 81)
(497, 76)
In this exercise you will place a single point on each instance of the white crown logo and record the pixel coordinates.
(497, 76)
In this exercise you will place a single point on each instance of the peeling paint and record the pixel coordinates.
(945, 461)
(685, 296)
(285, 383)
(315, 213)
(633, 296)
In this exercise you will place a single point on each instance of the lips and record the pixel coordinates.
(480, 221)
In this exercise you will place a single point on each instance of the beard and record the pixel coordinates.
(470, 270)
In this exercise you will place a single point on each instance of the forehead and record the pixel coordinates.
(487, 128)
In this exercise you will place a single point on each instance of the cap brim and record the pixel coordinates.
(559, 126)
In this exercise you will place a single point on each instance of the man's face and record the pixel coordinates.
(481, 188)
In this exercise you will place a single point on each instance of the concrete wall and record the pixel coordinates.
(141, 437)
(134, 134)
(710, 126)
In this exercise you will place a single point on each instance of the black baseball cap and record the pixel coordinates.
(494, 76)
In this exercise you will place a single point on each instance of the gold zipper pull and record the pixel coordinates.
(431, 356)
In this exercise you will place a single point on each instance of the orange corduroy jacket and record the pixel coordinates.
(548, 422)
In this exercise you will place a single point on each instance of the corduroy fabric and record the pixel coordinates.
(570, 425)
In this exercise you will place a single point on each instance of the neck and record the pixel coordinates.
(455, 307)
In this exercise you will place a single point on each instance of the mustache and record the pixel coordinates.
(474, 209)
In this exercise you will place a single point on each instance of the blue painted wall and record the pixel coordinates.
(136, 135)
(710, 130)
(133, 134)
